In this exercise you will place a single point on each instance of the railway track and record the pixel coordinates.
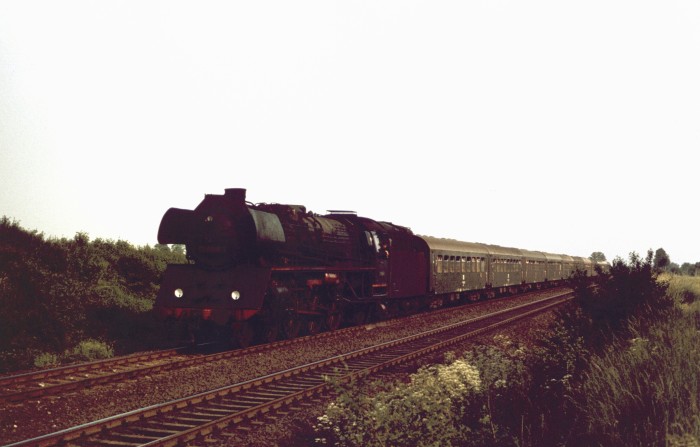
(50, 382)
(185, 419)
(57, 380)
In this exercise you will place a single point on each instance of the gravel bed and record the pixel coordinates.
(52, 413)
(296, 429)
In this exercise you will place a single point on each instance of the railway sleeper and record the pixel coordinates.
(287, 388)
(236, 405)
(268, 393)
(258, 399)
(229, 407)
(152, 431)
(175, 425)
(248, 402)
(208, 413)
(194, 420)
(136, 437)
(115, 443)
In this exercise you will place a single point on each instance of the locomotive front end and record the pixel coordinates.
(224, 281)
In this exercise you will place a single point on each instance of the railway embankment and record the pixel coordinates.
(50, 413)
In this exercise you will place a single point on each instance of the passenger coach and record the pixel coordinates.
(471, 270)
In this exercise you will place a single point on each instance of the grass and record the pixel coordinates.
(646, 390)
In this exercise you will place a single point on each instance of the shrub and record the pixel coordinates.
(477, 400)
(56, 292)
(630, 289)
(45, 360)
(89, 350)
(424, 412)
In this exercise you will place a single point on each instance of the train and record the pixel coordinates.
(260, 272)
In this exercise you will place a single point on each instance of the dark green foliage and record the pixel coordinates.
(554, 365)
(597, 256)
(689, 269)
(661, 260)
(629, 289)
(55, 293)
(599, 315)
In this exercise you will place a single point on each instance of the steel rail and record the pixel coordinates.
(73, 377)
(292, 385)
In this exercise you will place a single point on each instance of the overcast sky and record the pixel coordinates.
(567, 127)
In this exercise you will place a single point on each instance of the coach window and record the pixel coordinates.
(452, 264)
(438, 264)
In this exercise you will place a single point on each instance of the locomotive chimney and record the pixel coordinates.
(235, 194)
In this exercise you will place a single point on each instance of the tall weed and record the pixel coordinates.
(646, 390)
(683, 289)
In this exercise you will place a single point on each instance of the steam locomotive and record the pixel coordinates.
(266, 271)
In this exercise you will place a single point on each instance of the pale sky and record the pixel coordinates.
(560, 126)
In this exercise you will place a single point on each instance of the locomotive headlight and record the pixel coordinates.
(235, 295)
(178, 293)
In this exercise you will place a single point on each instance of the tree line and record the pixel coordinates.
(661, 262)
(57, 295)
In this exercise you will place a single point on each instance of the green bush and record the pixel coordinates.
(630, 289)
(45, 360)
(57, 292)
(90, 350)
(477, 400)
(424, 412)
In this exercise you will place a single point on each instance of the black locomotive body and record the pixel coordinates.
(275, 269)
(271, 270)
